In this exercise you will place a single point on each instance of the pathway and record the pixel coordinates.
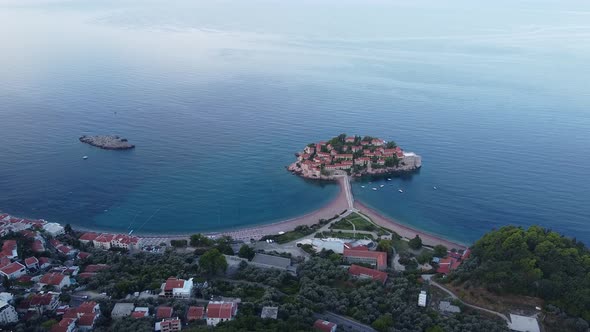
(434, 283)
(345, 323)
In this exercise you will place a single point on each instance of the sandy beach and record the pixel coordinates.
(405, 231)
(337, 206)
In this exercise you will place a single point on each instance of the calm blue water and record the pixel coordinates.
(218, 96)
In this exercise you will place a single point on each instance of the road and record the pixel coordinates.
(345, 323)
(434, 283)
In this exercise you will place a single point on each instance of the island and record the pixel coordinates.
(108, 142)
(354, 156)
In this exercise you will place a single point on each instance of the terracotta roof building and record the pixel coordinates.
(361, 254)
(364, 272)
(324, 326)
(220, 312)
(195, 313)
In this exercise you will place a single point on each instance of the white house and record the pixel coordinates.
(7, 314)
(53, 228)
(422, 299)
(220, 312)
(178, 288)
(54, 279)
(13, 270)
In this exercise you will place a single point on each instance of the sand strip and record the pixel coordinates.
(405, 231)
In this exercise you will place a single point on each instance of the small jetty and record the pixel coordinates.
(109, 142)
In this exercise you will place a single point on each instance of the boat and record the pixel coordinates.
(374, 188)
(382, 186)
(401, 191)
(85, 157)
(434, 188)
(362, 186)
(388, 179)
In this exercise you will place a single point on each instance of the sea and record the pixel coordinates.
(217, 96)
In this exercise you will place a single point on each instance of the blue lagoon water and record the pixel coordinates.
(218, 95)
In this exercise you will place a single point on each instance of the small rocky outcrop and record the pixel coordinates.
(109, 142)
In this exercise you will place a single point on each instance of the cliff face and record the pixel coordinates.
(107, 142)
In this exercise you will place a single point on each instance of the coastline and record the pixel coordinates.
(336, 206)
(406, 231)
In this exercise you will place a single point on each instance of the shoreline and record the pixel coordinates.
(336, 206)
(406, 231)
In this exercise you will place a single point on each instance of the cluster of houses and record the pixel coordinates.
(354, 151)
(107, 241)
(168, 320)
(451, 262)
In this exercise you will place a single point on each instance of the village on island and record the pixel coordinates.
(354, 155)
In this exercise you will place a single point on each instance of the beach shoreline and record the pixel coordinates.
(406, 231)
(337, 206)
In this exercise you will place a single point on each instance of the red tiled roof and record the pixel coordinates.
(54, 242)
(323, 325)
(138, 314)
(71, 313)
(172, 283)
(53, 279)
(220, 310)
(360, 271)
(164, 312)
(63, 325)
(104, 238)
(44, 260)
(38, 246)
(7, 247)
(83, 255)
(31, 261)
(87, 319)
(41, 299)
(380, 257)
(445, 265)
(24, 279)
(87, 307)
(11, 268)
(90, 236)
(195, 313)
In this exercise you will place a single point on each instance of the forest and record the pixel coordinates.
(534, 261)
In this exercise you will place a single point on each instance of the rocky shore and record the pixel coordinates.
(109, 142)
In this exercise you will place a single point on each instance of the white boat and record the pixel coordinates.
(85, 157)
(374, 188)
(382, 186)
(401, 191)
(362, 186)
(434, 188)
(388, 179)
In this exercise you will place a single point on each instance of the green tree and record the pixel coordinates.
(440, 251)
(213, 262)
(68, 229)
(415, 243)
(435, 328)
(385, 246)
(383, 323)
(246, 252)
(199, 240)
(48, 324)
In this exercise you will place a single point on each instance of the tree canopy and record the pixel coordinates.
(212, 262)
(536, 262)
(416, 242)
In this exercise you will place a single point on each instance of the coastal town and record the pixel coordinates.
(354, 155)
(66, 280)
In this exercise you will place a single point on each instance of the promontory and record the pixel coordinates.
(355, 156)
(109, 142)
